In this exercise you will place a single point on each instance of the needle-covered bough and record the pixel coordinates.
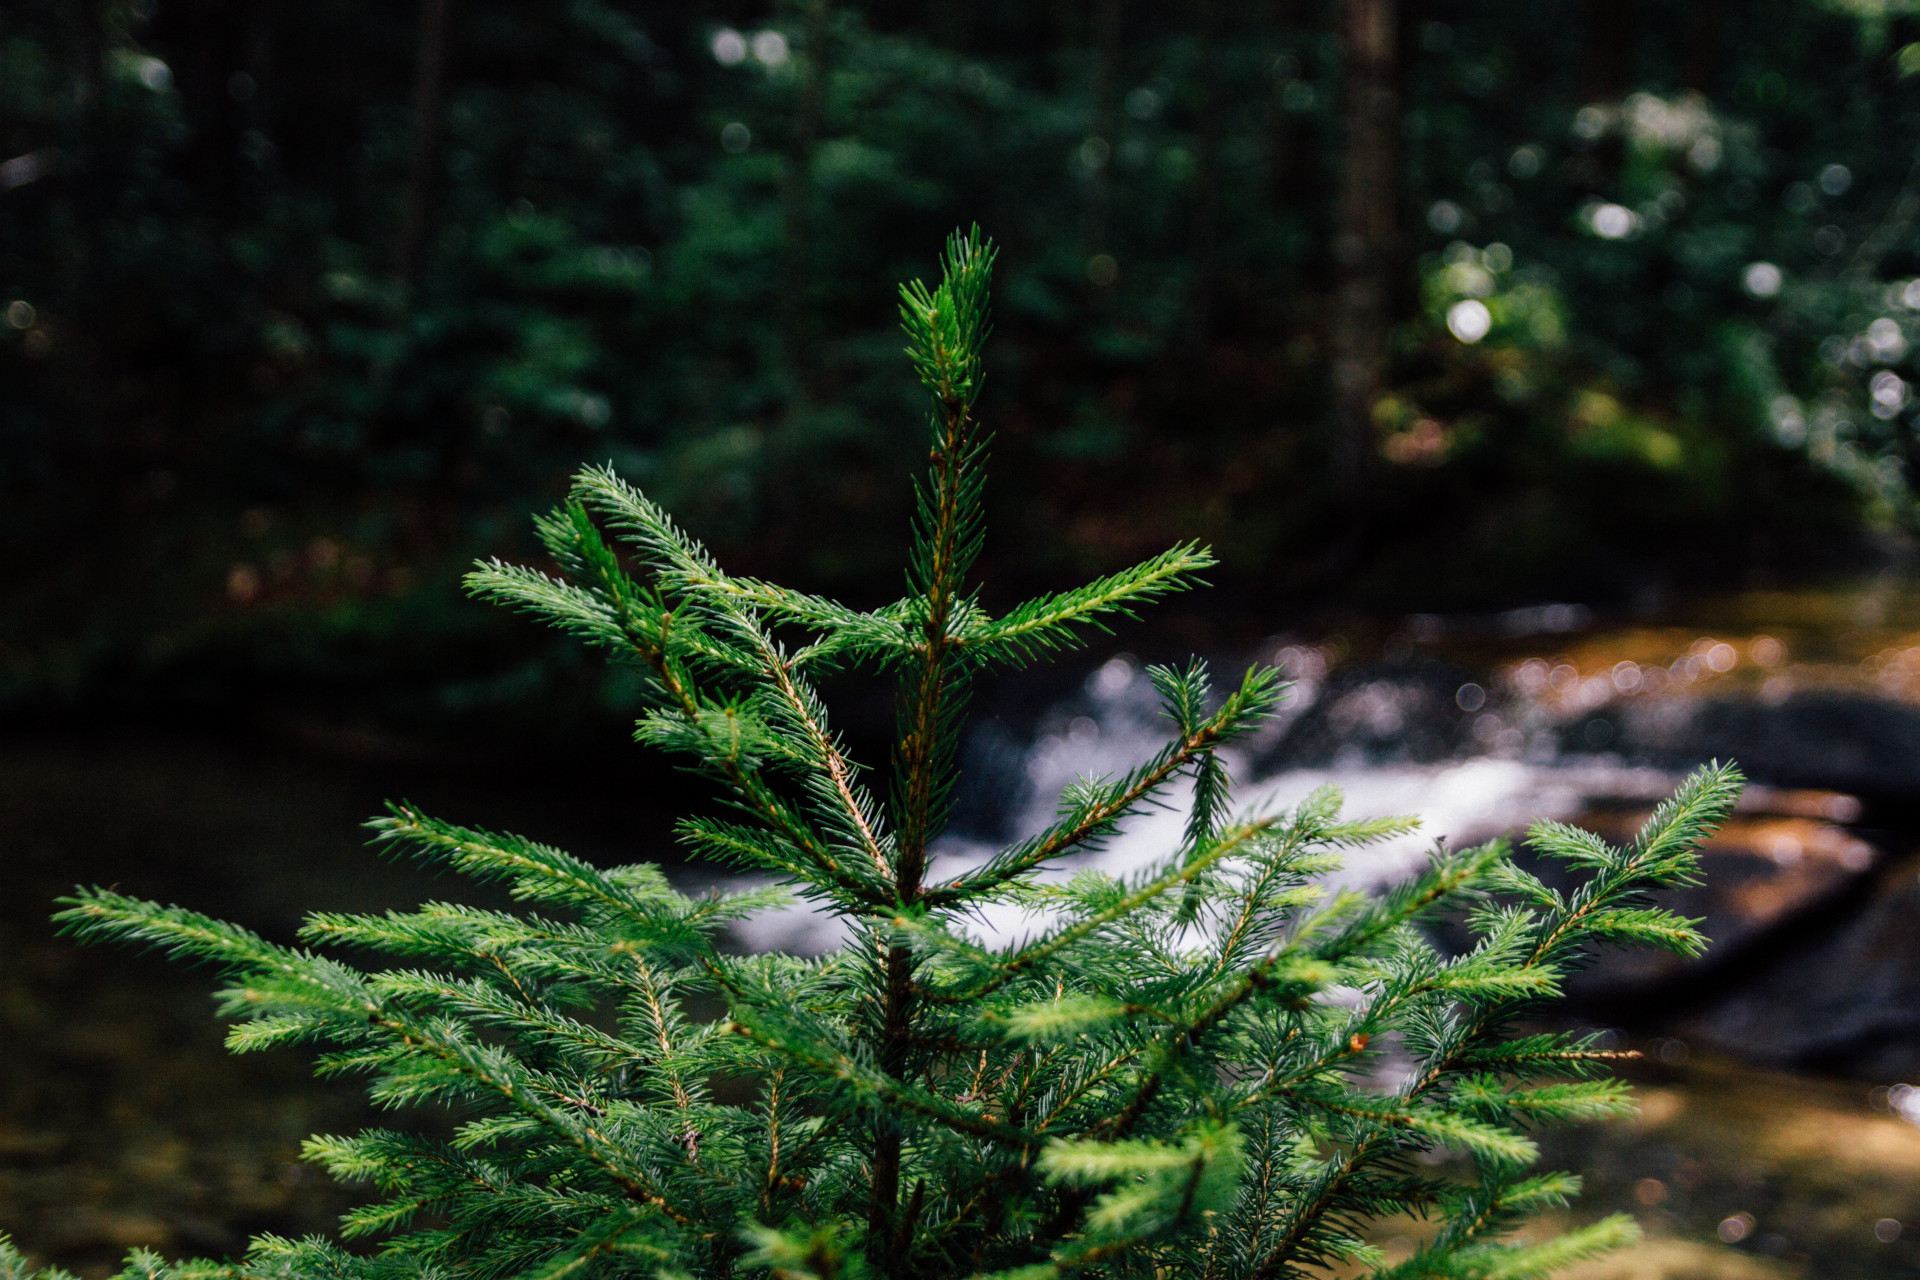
(1175, 1074)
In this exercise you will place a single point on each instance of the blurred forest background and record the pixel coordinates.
(1582, 331)
(1402, 304)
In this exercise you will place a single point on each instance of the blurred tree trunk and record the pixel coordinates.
(201, 79)
(1104, 121)
(1612, 26)
(797, 203)
(1703, 45)
(429, 102)
(89, 49)
(1206, 175)
(1290, 144)
(257, 51)
(1364, 237)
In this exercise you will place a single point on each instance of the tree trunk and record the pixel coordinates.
(1201, 300)
(1364, 238)
(89, 49)
(257, 52)
(1612, 27)
(429, 100)
(797, 205)
(1103, 120)
(1703, 45)
(201, 75)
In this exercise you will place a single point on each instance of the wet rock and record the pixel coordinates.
(1781, 859)
(993, 782)
(1814, 961)
(1419, 711)
(1842, 998)
(1861, 745)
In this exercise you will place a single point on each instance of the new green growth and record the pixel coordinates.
(1179, 1073)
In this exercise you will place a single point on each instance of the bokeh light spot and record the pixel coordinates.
(1469, 320)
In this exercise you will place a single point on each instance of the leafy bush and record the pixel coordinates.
(1214, 1067)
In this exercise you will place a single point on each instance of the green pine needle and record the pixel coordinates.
(1153, 1081)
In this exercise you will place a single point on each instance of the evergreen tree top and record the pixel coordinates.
(1211, 1068)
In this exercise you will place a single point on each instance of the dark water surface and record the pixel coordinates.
(123, 1121)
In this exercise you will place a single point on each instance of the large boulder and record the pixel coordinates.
(1862, 745)
(1781, 861)
(1843, 995)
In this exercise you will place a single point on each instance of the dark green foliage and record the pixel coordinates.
(1214, 1067)
(236, 444)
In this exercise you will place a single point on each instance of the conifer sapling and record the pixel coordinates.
(1177, 1073)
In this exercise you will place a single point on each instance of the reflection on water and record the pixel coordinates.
(123, 1123)
(1737, 1172)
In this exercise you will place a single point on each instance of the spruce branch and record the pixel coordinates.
(1040, 626)
(1096, 812)
(1157, 1080)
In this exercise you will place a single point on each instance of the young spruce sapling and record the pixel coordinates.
(1176, 1075)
